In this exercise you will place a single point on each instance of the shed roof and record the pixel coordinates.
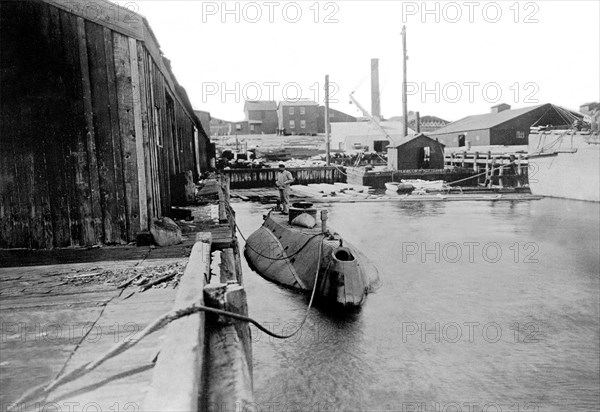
(485, 121)
(397, 142)
(260, 105)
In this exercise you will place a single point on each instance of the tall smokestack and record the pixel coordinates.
(375, 103)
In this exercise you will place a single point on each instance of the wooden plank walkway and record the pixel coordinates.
(57, 313)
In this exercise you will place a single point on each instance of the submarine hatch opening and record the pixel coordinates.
(343, 255)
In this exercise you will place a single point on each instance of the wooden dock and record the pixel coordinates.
(59, 315)
(500, 166)
(348, 193)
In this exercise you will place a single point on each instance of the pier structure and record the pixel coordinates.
(378, 177)
(503, 167)
(66, 309)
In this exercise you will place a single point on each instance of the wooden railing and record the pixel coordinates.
(253, 178)
(205, 361)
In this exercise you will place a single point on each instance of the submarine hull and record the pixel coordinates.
(289, 255)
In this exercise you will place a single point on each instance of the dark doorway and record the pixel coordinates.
(461, 140)
(424, 157)
(380, 145)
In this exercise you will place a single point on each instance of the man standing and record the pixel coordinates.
(284, 178)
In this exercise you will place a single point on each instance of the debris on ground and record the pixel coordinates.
(146, 277)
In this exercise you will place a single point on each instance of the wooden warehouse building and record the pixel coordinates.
(94, 126)
(502, 126)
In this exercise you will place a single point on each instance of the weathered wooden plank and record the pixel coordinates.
(178, 377)
(127, 126)
(153, 141)
(139, 135)
(103, 130)
(16, 224)
(51, 150)
(92, 228)
(31, 152)
(227, 269)
(144, 111)
(120, 220)
(229, 352)
(164, 153)
(79, 190)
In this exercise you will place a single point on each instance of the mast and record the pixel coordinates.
(327, 143)
(404, 99)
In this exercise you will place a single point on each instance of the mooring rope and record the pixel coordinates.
(158, 324)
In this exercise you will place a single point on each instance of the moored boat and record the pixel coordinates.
(307, 258)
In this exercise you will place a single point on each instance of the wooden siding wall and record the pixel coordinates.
(79, 160)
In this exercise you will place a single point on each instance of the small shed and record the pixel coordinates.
(415, 152)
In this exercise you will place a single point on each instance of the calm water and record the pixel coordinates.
(484, 306)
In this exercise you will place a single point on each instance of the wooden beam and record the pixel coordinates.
(229, 383)
(228, 272)
(139, 134)
(178, 375)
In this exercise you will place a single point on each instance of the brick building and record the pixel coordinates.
(299, 117)
(261, 116)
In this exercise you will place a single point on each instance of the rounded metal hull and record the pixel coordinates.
(288, 255)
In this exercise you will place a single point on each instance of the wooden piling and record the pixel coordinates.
(229, 355)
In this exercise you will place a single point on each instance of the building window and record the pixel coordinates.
(238, 127)
(251, 127)
(303, 124)
(291, 110)
(520, 134)
(292, 124)
(302, 111)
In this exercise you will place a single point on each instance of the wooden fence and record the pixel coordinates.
(253, 178)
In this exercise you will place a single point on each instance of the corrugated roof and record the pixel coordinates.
(484, 121)
(260, 105)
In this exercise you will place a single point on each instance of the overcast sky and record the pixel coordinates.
(464, 56)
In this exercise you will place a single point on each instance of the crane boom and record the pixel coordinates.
(371, 118)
